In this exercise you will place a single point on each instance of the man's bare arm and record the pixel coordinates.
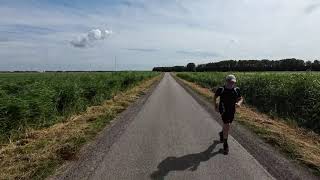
(239, 101)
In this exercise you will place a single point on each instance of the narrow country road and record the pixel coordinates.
(173, 137)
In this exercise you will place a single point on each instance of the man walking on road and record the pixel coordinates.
(230, 97)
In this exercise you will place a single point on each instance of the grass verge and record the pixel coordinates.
(40, 152)
(296, 143)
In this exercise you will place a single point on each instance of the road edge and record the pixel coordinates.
(86, 163)
(271, 159)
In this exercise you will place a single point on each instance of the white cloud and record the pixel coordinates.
(93, 35)
(312, 8)
(234, 41)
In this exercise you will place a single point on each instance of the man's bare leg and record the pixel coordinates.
(225, 129)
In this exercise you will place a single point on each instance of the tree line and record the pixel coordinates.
(290, 64)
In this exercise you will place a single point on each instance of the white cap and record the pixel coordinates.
(231, 77)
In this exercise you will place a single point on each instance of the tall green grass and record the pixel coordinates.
(41, 99)
(294, 96)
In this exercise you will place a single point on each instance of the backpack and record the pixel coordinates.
(221, 104)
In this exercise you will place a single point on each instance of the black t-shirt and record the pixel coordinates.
(228, 98)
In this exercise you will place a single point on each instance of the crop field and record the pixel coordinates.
(35, 100)
(294, 96)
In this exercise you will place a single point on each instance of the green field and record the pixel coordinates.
(41, 99)
(293, 96)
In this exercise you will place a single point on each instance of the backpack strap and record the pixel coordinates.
(235, 90)
(222, 87)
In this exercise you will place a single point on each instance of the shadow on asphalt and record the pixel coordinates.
(187, 162)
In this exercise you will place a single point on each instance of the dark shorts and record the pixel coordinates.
(227, 117)
(227, 113)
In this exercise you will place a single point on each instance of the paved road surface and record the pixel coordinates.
(173, 137)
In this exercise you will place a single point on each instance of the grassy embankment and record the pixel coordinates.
(36, 147)
(280, 107)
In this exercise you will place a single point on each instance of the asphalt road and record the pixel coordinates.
(173, 137)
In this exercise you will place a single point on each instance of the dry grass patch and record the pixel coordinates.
(39, 152)
(297, 143)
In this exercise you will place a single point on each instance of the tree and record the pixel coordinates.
(308, 65)
(191, 67)
(290, 64)
(316, 65)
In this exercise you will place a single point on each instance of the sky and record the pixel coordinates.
(140, 34)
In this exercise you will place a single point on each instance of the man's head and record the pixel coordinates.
(230, 81)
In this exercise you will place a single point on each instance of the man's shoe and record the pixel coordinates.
(221, 136)
(225, 148)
